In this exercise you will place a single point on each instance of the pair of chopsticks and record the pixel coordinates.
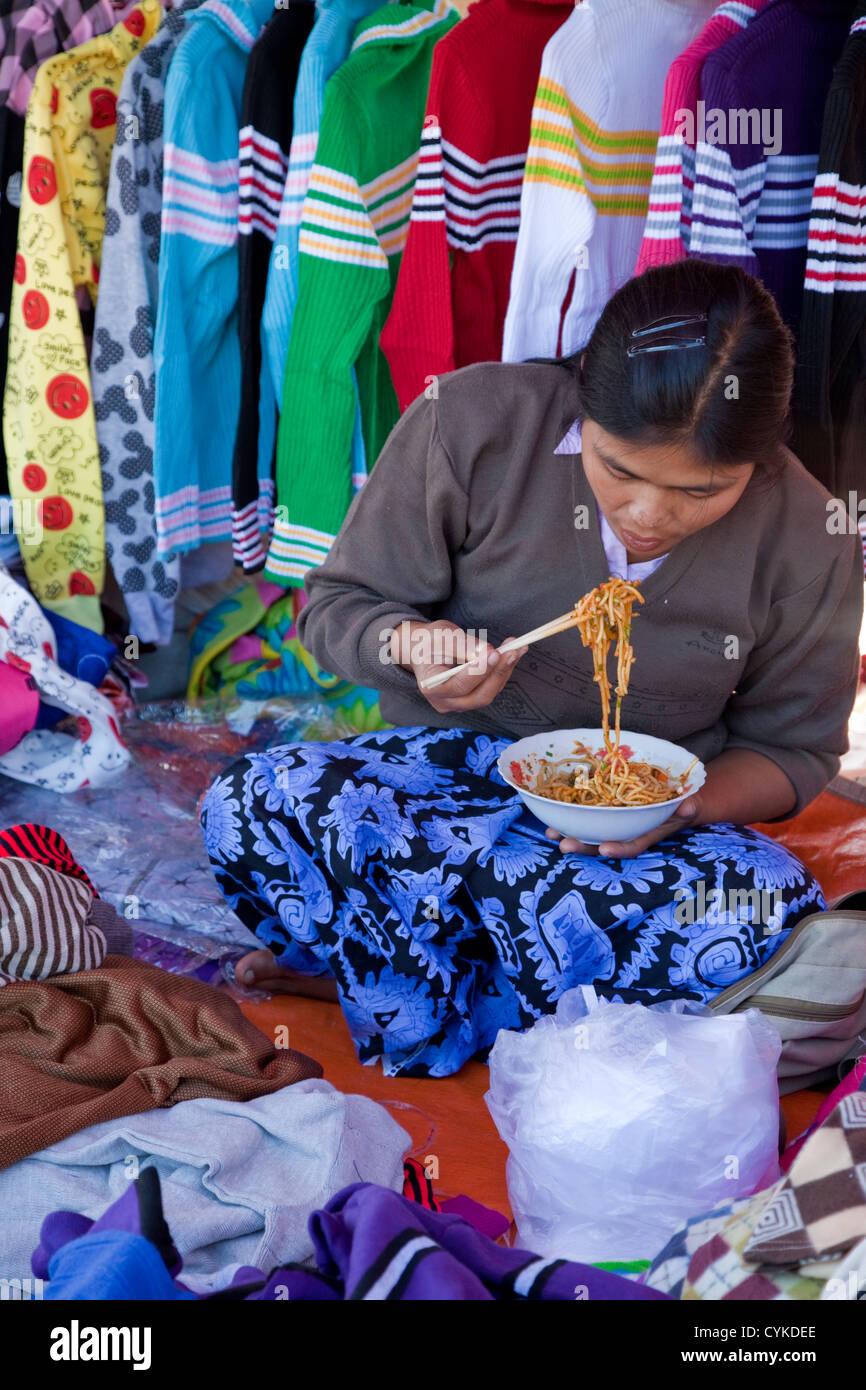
(550, 629)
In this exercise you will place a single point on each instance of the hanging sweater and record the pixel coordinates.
(666, 234)
(468, 500)
(326, 48)
(265, 140)
(595, 127)
(48, 417)
(353, 230)
(196, 345)
(452, 292)
(122, 366)
(830, 389)
(750, 207)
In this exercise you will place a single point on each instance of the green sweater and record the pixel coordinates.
(353, 229)
(470, 515)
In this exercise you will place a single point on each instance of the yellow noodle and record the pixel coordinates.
(603, 616)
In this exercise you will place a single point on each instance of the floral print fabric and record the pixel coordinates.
(399, 862)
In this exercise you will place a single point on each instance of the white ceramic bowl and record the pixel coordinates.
(592, 824)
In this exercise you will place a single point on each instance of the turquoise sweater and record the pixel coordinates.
(196, 345)
(353, 228)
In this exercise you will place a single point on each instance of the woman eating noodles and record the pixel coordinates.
(397, 867)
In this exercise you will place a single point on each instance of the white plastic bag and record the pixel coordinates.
(624, 1121)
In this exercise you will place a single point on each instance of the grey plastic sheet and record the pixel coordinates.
(139, 838)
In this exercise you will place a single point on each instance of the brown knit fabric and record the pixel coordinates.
(119, 1040)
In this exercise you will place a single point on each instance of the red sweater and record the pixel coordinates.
(453, 287)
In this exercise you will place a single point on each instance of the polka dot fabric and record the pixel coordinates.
(49, 427)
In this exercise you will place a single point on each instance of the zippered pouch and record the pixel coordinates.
(813, 989)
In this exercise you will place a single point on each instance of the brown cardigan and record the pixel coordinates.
(470, 515)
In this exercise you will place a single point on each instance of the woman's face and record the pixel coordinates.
(654, 496)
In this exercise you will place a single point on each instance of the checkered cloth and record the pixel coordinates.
(718, 1273)
(819, 1212)
(30, 34)
(786, 1241)
(669, 1268)
(704, 1260)
(848, 1281)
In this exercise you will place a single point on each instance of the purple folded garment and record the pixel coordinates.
(373, 1244)
(369, 1243)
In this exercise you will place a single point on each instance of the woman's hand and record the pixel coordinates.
(689, 812)
(425, 649)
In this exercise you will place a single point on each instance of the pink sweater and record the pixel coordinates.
(673, 173)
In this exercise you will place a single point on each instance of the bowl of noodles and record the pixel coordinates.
(576, 782)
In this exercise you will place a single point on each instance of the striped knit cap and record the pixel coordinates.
(43, 845)
(43, 923)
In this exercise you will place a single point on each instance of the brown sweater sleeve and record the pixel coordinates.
(795, 697)
(392, 558)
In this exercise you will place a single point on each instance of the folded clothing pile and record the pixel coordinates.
(368, 1243)
(29, 646)
(110, 1066)
(239, 1179)
(88, 1034)
(119, 1040)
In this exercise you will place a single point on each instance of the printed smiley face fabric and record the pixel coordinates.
(49, 428)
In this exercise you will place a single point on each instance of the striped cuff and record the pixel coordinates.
(187, 518)
(251, 526)
(295, 550)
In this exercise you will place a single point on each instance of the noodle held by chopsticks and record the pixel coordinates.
(604, 616)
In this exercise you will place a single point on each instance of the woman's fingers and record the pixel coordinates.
(629, 849)
(688, 813)
(478, 685)
(569, 845)
(443, 646)
(484, 659)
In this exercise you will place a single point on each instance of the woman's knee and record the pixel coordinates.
(221, 814)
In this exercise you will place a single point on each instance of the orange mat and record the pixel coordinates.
(830, 838)
(447, 1119)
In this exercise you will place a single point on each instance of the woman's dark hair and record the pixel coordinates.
(729, 400)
